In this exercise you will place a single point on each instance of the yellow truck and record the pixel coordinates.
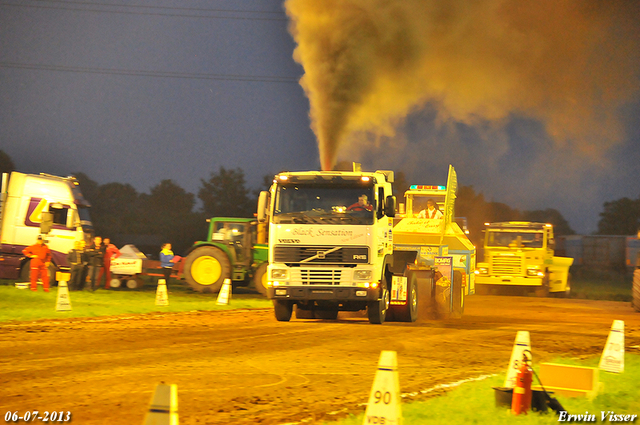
(426, 237)
(520, 254)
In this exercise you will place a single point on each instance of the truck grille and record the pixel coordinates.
(320, 276)
(507, 265)
(344, 255)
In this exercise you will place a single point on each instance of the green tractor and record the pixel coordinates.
(235, 249)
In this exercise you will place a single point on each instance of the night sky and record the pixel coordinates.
(137, 92)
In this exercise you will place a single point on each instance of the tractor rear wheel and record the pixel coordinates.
(457, 292)
(206, 268)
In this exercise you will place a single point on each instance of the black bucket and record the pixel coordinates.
(538, 400)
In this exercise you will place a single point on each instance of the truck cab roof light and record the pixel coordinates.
(426, 187)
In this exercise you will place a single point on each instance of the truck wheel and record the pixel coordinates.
(206, 268)
(408, 312)
(543, 290)
(25, 272)
(260, 279)
(377, 310)
(283, 310)
(458, 295)
(115, 283)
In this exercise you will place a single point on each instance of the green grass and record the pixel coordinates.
(601, 285)
(23, 304)
(474, 402)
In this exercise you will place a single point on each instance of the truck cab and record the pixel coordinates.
(35, 204)
(330, 243)
(521, 254)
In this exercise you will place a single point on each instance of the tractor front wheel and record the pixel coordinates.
(260, 279)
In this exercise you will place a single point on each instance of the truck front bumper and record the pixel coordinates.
(508, 280)
(322, 292)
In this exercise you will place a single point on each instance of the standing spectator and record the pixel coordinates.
(40, 260)
(95, 257)
(167, 260)
(78, 262)
(111, 251)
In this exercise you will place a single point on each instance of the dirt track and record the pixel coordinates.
(240, 367)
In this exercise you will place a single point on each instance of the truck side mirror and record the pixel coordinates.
(47, 222)
(262, 206)
(390, 206)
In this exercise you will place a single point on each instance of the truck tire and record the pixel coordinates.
(206, 268)
(260, 279)
(52, 274)
(25, 272)
(377, 310)
(457, 292)
(408, 312)
(283, 310)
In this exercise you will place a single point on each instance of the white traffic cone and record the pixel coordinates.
(521, 344)
(63, 302)
(384, 401)
(163, 409)
(161, 293)
(225, 293)
(612, 359)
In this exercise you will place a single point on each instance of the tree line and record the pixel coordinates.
(168, 213)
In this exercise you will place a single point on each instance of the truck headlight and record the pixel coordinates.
(279, 274)
(362, 275)
(534, 271)
(481, 270)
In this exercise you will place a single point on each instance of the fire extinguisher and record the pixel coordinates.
(521, 400)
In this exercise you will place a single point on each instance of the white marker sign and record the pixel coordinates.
(384, 402)
(521, 344)
(612, 359)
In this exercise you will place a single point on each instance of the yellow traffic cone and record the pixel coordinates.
(161, 293)
(163, 409)
(225, 293)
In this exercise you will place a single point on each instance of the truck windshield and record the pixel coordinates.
(316, 203)
(420, 203)
(515, 239)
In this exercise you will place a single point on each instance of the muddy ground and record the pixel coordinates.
(242, 367)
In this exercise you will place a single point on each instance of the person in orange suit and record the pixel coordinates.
(40, 256)
(111, 251)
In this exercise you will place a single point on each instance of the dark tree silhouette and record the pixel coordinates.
(225, 195)
(552, 216)
(620, 217)
(6, 164)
